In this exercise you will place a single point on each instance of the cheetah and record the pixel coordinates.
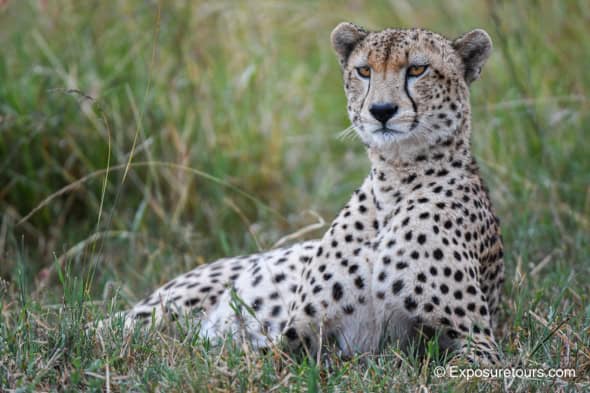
(433, 260)
(416, 251)
(196, 294)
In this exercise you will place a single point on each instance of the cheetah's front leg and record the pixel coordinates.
(333, 298)
(435, 294)
(333, 306)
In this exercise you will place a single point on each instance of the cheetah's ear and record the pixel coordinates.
(474, 48)
(344, 38)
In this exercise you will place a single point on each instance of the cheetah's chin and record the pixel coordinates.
(385, 137)
(387, 131)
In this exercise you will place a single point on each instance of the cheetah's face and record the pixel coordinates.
(408, 87)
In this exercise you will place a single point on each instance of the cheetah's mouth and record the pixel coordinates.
(387, 131)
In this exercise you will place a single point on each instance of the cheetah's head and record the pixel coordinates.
(408, 87)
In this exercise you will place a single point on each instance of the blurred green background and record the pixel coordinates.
(212, 100)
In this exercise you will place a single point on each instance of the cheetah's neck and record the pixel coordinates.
(393, 179)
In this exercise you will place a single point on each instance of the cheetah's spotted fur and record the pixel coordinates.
(200, 293)
(417, 250)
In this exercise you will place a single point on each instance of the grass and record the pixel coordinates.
(219, 122)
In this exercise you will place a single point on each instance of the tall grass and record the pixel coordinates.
(141, 138)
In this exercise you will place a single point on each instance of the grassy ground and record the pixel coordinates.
(228, 114)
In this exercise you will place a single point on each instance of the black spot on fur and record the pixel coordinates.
(337, 291)
(397, 286)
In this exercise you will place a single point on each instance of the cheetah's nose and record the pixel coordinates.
(383, 111)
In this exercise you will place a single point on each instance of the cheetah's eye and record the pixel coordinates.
(364, 71)
(416, 70)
